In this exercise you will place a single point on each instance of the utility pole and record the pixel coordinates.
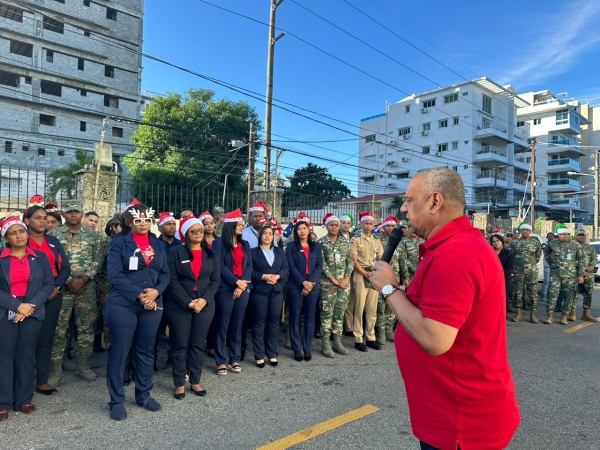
(596, 192)
(269, 97)
(250, 168)
(533, 185)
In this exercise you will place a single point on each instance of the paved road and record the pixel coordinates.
(557, 376)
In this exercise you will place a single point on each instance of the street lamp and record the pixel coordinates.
(595, 175)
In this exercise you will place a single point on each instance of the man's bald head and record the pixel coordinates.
(446, 182)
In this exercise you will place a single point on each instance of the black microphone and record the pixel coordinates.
(393, 241)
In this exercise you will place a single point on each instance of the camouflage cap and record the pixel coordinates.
(403, 223)
(489, 229)
(218, 210)
(72, 204)
(580, 232)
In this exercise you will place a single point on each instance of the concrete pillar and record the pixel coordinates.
(105, 205)
(274, 205)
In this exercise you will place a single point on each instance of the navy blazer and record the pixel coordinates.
(41, 285)
(63, 266)
(297, 263)
(127, 285)
(260, 267)
(181, 288)
(228, 279)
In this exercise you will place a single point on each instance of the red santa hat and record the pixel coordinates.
(134, 202)
(496, 230)
(205, 215)
(273, 223)
(328, 218)
(362, 216)
(378, 227)
(259, 206)
(185, 224)
(165, 217)
(389, 220)
(51, 207)
(263, 221)
(9, 222)
(36, 200)
(234, 216)
(303, 217)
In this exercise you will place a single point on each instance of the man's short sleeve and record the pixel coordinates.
(449, 289)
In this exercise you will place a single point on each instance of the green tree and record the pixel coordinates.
(312, 187)
(61, 182)
(397, 203)
(190, 148)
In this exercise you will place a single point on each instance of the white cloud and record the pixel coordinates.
(558, 42)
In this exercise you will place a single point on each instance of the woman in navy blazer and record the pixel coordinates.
(269, 270)
(138, 272)
(36, 219)
(305, 258)
(235, 261)
(195, 278)
(23, 292)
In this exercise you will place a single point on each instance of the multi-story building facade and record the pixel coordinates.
(470, 127)
(555, 127)
(64, 66)
(590, 144)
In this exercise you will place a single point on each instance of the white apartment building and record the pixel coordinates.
(470, 127)
(590, 144)
(555, 125)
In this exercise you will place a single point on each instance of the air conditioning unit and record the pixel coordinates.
(424, 133)
(423, 109)
(392, 163)
(438, 154)
(406, 136)
(392, 185)
(405, 159)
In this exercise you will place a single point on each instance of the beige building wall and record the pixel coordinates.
(590, 140)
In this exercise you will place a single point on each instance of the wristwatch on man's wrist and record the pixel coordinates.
(388, 290)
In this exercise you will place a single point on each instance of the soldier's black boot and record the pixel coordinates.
(518, 317)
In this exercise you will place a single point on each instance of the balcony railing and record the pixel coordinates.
(492, 174)
(521, 180)
(522, 134)
(566, 142)
(486, 198)
(487, 124)
(562, 181)
(563, 201)
(492, 149)
(564, 161)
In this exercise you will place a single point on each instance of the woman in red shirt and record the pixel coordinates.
(195, 277)
(26, 282)
(36, 219)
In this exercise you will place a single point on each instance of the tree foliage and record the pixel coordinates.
(313, 187)
(61, 182)
(191, 146)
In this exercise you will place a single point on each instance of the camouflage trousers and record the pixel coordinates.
(587, 297)
(334, 302)
(84, 308)
(525, 286)
(103, 288)
(558, 284)
(385, 316)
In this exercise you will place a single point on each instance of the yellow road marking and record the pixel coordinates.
(320, 428)
(579, 327)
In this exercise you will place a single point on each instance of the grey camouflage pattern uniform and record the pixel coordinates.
(589, 262)
(525, 279)
(411, 249)
(566, 261)
(399, 264)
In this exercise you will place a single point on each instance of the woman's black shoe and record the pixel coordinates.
(45, 391)
(307, 356)
(126, 381)
(273, 363)
(260, 365)
(298, 356)
(179, 396)
(201, 393)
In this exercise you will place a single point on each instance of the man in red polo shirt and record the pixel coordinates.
(451, 345)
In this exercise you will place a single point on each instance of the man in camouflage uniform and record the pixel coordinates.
(86, 252)
(527, 251)
(567, 268)
(219, 218)
(410, 244)
(335, 285)
(103, 288)
(590, 261)
(385, 316)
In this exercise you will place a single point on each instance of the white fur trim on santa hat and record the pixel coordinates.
(188, 223)
(9, 222)
(170, 218)
(366, 217)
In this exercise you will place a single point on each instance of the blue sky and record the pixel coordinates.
(533, 45)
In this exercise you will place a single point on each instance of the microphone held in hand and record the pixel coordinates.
(393, 241)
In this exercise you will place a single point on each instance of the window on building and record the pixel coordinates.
(53, 25)
(9, 79)
(8, 146)
(47, 120)
(11, 13)
(427, 126)
(369, 179)
(455, 168)
(442, 147)
(86, 2)
(370, 138)
(426, 150)
(407, 109)
(111, 102)
(49, 56)
(51, 88)
(27, 80)
(521, 123)
(41, 151)
(111, 14)
(21, 48)
(86, 33)
(443, 123)
(455, 145)
(61, 152)
(82, 126)
(429, 103)
(117, 132)
(25, 147)
(83, 92)
(109, 71)
(80, 63)
(455, 121)
(451, 98)
(537, 121)
(562, 117)
(60, 1)
(466, 166)
(401, 176)
(486, 104)
(404, 131)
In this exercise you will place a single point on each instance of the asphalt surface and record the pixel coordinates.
(557, 376)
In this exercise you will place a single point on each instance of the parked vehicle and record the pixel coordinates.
(596, 245)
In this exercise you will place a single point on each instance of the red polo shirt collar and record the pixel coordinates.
(463, 223)
(6, 252)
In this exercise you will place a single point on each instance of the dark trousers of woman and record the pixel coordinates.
(43, 349)
(17, 358)
(187, 335)
(266, 311)
(307, 305)
(230, 315)
(129, 324)
(508, 285)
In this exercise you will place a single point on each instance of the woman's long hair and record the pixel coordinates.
(229, 237)
(311, 243)
(203, 245)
